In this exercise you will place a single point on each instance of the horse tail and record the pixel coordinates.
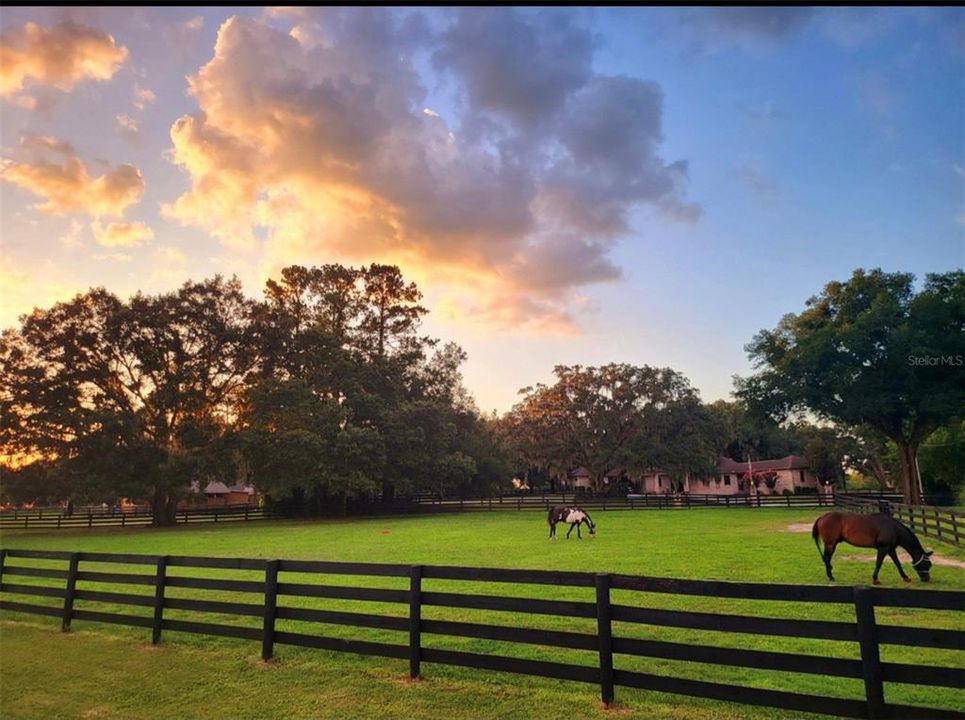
(814, 535)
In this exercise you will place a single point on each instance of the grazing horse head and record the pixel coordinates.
(923, 566)
(878, 531)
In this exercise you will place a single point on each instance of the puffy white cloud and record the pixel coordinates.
(60, 56)
(66, 186)
(308, 150)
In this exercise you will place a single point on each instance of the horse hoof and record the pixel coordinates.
(907, 579)
(876, 582)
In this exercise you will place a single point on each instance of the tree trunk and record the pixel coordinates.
(388, 492)
(910, 481)
(163, 509)
(880, 473)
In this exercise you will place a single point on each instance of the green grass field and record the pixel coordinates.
(106, 671)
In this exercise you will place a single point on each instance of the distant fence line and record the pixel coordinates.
(282, 580)
(46, 519)
(656, 501)
(938, 523)
(96, 517)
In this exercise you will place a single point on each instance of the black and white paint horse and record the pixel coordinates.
(574, 516)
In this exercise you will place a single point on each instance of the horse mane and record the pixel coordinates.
(913, 542)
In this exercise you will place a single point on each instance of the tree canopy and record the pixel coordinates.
(869, 352)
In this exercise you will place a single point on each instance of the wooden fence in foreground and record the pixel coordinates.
(938, 523)
(282, 580)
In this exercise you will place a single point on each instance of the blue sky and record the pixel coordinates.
(642, 185)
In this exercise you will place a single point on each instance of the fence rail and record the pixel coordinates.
(938, 523)
(54, 519)
(282, 581)
(654, 501)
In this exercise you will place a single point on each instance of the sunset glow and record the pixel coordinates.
(581, 186)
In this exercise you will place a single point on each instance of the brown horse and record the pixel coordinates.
(878, 531)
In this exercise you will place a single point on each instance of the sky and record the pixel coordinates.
(649, 186)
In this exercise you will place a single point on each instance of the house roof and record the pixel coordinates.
(791, 462)
(216, 488)
(238, 487)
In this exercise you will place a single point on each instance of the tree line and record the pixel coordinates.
(324, 392)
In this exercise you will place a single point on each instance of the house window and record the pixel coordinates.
(802, 477)
(726, 479)
(659, 482)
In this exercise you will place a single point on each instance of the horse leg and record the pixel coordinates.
(894, 556)
(552, 531)
(828, 552)
(578, 536)
(881, 557)
(570, 530)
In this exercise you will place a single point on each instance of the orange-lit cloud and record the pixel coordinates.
(67, 186)
(316, 144)
(60, 56)
(124, 234)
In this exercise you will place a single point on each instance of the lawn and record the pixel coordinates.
(111, 671)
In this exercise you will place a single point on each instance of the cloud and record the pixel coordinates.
(66, 186)
(125, 234)
(71, 239)
(753, 176)
(60, 56)
(328, 149)
(127, 125)
(143, 97)
(767, 22)
(750, 28)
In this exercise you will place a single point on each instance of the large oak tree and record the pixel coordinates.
(870, 351)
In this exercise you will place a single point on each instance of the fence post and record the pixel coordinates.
(246, 512)
(90, 519)
(3, 558)
(71, 590)
(271, 607)
(415, 620)
(605, 636)
(160, 578)
(870, 658)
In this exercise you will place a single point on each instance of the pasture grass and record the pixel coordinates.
(753, 545)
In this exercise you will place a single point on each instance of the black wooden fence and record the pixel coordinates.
(52, 519)
(938, 523)
(650, 501)
(282, 580)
